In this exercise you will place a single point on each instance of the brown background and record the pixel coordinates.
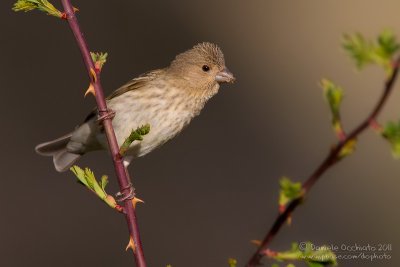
(214, 188)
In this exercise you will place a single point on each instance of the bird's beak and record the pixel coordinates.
(225, 76)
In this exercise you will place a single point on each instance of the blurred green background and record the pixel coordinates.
(215, 187)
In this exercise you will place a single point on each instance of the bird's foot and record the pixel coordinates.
(122, 196)
(105, 115)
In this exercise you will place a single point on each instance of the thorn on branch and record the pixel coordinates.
(131, 245)
(269, 253)
(90, 90)
(136, 200)
(64, 15)
(256, 242)
(122, 175)
(93, 75)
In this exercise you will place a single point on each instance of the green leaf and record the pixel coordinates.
(290, 265)
(42, 5)
(275, 265)
(232, 262)
(366, 52)
(391, 133)
(136, 135)
(104, 182)
(288, 191)
(88, 179)
(99, 191)
(348, 148)
(293, 254)
(359, 49)
(99, 59)
(93, 184)
(387, 44)
(334, 96)
(80, 174)
(308, 253)
(321, 257)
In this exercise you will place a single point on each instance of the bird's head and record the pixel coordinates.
(203, 67)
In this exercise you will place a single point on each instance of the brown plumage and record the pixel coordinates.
(167, 99)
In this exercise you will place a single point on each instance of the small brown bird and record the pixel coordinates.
(167, 99)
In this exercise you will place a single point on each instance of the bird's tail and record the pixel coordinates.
(57, 148)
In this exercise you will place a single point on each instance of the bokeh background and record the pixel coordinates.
(215, 187)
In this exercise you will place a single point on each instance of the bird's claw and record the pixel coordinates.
(121, 196)
(105, 115)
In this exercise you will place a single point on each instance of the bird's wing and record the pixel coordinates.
(136, 83)
(133, 84)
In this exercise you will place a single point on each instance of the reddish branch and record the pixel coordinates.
(332, 158)
(106, 119)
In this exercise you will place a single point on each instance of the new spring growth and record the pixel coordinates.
(87, 178)
(305, 253)
(99, 59)
(232, 262)
(366, 52)
(42, 5)
(136, 135)
(381, 53)
(391, 133)
(334, 95)
(288, 192)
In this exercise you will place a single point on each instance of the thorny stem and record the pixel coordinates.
(122, 174)
(332, 158)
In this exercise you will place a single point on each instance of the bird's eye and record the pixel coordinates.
(206, 68)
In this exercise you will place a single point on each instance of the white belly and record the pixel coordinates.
(166, 118)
